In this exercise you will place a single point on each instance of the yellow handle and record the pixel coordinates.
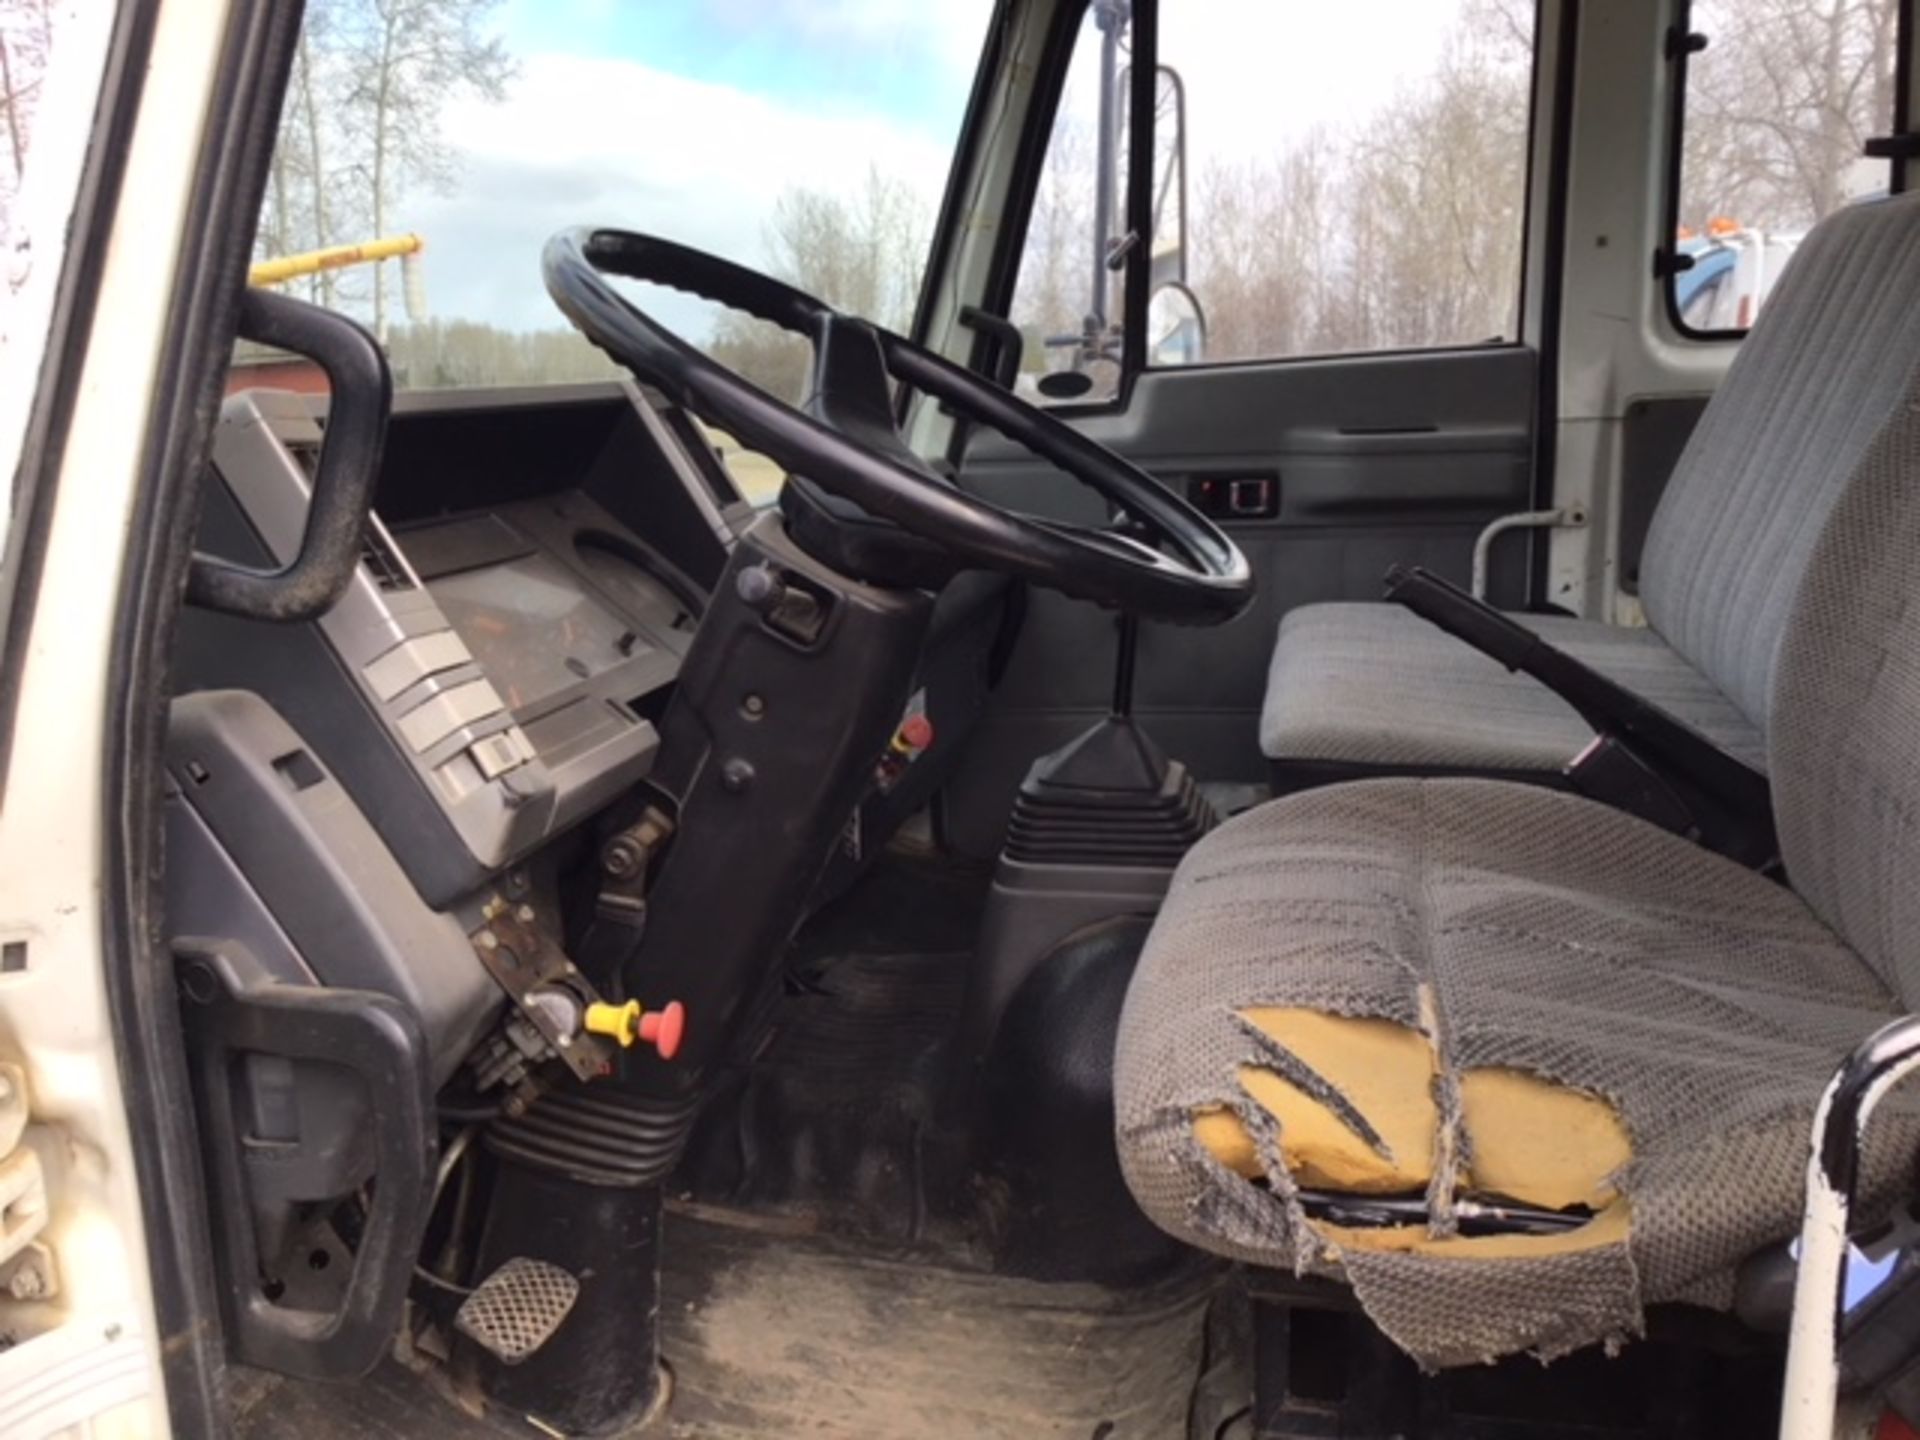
(619, 1022)
(335, 257)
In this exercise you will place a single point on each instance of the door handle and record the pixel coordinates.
(1254, 496)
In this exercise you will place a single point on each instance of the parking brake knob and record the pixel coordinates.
(663, 1028)
(624, 1024)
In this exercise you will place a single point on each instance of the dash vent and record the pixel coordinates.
(377, 550)
(383, 561)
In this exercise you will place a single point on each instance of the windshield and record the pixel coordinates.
(446, 140)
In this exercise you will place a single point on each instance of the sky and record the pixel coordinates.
(687, 118)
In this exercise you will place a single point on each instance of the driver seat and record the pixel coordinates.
(1370, 1012)
(1365, 689)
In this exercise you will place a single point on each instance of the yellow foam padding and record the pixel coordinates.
(1609, 1227)
(1538, 1142)
(1383, 1069)
(1529, 1139)
(1222, 1135)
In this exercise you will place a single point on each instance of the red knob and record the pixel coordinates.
(664, 1028)
(916, 732)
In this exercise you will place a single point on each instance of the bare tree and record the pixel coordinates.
(26, 45)
(1779, 105)
(1441, 176)
(862, 255)
(1051, 297)
(304, 191)
(361, 125)
(442, 353)
(309, 83)
(1264, 233)
(404, 58)
(1403, 230)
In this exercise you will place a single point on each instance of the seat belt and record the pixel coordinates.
(1643, 759)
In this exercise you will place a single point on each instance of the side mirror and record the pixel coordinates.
(1176, 326)
(1064, 384)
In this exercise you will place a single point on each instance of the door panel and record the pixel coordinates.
(1379, 459)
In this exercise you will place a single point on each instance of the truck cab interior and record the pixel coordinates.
(1291, 802)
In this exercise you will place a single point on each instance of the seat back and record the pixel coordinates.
(1844, 744)
(1831, 359)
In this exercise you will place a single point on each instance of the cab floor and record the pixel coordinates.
(773, 1332)
(821, 1274)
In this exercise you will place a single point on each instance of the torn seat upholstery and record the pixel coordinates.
(1357, 688)
(1470, 991)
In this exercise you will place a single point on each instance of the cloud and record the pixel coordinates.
(946, 32)
(949, 32)
(582, 141)
(585, 137)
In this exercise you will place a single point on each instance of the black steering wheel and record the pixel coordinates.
(1166, 562)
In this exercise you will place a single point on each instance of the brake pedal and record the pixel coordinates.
(516, 1309)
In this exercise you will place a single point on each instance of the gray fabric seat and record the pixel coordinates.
(1369, 684)
(1368, 687)
(1519, 941)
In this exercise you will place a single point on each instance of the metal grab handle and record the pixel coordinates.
(362, 397)
(1812, 1388)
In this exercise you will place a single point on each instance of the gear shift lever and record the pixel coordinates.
(1110, 796)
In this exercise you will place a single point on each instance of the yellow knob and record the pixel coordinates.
(620, 1022)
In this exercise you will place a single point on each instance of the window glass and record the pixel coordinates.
(27, 34)
(1327, 179)
(1069, 301)
(1776, 110)
(52, 62)
(809, 140)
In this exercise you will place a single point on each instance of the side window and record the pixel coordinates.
(428, 150)
(1328, 179)
(52, 62)
(27, 35)
(1068, 301)
(1775, 112)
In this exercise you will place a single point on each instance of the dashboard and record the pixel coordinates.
(356, 794)
(533, 573)
(382, 862)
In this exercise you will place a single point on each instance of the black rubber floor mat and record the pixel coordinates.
(904, 905)
(845, 1119)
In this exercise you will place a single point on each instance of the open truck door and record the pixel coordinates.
(688, 844)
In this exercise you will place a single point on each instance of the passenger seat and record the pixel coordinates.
(1372, 689)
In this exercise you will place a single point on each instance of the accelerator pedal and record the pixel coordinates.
(516, 1309)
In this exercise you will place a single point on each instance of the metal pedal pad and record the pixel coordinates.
(516, 1309)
